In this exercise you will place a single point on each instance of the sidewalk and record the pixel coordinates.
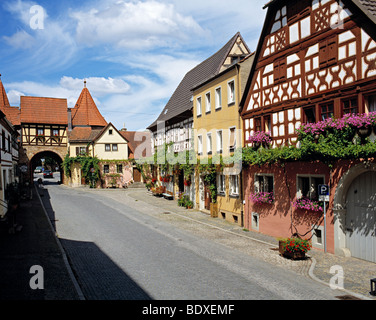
(357, 273)
(34, 245)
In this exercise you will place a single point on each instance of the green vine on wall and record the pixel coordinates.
(87, 164)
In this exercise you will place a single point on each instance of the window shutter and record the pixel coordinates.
(77, 151)
(232, 138)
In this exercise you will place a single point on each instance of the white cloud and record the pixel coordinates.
(98, 86)
(135, 25)
(20, 40)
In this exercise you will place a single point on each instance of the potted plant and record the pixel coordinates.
(262, 197)
(260, 138)
(307, 204)
(294, 248)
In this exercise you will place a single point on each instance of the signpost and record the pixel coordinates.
(324, 196)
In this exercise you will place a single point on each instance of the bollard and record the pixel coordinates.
(373, 287)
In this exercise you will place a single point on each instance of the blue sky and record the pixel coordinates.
(133, 54)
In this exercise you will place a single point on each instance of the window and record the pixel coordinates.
(234, 185)
(199, 106)
(267, 124)
(40, 132)
(309, 115)
(81, 150)
(209, 143)
(218, 98)
(3, 140)
(219, 141)
(232, 144)
(371, 103)
(106, 168)
(119, 168)
(231, 92)
(110, 132)
(264, 183)
(258, 124)
(114, 147)
(350, 106)
(208, 103)
(55, 132)
(199, 144)
(107, 147)
(308, 186)
(221, 184)
(327, 111)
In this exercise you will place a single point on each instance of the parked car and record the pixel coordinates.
(48, 174)
(38, 169)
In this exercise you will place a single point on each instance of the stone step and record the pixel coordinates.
(137, 185)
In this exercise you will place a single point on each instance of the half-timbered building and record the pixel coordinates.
(315, 60)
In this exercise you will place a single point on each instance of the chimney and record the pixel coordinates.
(69, 120)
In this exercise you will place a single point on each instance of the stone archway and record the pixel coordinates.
(45, 154)
(340, 205)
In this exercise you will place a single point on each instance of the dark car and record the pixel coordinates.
(48, 174)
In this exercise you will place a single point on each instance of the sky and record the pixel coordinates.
(133, 54)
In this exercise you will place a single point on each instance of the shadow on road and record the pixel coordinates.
(98, 276)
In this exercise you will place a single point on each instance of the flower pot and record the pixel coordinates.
(256, 145)
(214, 210)
(364, 131)
(294, 255)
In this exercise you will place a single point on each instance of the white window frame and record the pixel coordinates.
(209, 143)
(199, 106)
(313, 193)
(207, 102)
(199, 144)
(229, 94)
(234, 191)
(218, 98)
(265, 177)
(219, 141)
(221, 184)
(232, 148)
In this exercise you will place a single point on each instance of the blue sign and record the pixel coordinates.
(323, 190)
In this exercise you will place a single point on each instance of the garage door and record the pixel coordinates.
(361, 217)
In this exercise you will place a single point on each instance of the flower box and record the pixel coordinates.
(307, 204)
(294, 248)
(262, 197)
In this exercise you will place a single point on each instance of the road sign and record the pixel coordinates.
(323, 192)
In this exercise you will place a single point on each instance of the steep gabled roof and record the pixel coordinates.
(181, 101)
(44, 110)
(86, 113)
(105, 129)
(13, 114)
(4, 102)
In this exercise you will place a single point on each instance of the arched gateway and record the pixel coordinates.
(355, 212)
(43, 127)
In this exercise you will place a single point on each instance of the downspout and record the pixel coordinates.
(241, 145)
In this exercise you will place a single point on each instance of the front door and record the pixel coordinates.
(361, 217)
(207, 197)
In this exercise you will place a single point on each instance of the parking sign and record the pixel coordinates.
(323, 192)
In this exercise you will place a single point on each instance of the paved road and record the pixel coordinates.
(120, 253)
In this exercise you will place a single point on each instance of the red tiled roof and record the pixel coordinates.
(86, 113)
(13, 114)
(44, 110)
(83, 134)
(4, 102)
(133, 144)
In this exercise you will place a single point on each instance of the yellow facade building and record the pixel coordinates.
(218, 131)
